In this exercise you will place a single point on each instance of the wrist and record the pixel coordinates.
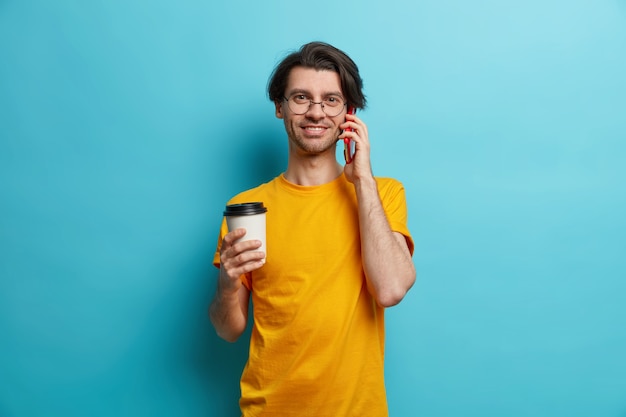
(367, 183)
(227, 287)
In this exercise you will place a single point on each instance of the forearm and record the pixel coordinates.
(228, 313)
(387, 262)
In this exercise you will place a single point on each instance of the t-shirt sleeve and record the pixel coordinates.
(393, 198)
(216, 255)
(246, 278)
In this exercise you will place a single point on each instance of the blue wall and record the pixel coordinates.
(125, 126)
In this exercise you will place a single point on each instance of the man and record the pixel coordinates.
(339, 253)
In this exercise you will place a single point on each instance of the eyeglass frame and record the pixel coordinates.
(311, 102)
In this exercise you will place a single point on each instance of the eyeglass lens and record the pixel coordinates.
(332, 106)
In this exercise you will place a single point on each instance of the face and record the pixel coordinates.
(313, 132)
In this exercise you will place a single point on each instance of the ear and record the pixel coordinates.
(279, 109)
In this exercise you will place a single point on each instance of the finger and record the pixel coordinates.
(248, 255)
(234, 235)
(244, 246)
(352, 135)
(353, 122)
(247, 259)
(349, 126)
(240, 252)
(357, 133)
(242, 263)
(231, 276)
(352, 117)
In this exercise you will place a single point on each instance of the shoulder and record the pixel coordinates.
(253, 194)
(387, 183)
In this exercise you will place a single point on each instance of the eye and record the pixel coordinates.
(333, 101)
(300, 98)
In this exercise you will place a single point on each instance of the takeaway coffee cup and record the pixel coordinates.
(250, 216)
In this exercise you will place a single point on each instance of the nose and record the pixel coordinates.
(316, 110)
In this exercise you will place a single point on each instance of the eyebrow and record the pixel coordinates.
(308, 93)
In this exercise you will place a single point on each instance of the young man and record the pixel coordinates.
(339, 253)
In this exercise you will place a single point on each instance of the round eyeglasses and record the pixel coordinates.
(300, 104)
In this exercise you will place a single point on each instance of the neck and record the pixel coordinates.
(312, 170)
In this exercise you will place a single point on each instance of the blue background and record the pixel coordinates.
(125, 127)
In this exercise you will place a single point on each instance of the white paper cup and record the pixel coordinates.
(250, 216)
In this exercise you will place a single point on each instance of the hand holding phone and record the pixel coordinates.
(349, 147)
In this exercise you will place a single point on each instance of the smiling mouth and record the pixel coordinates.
(315, 130)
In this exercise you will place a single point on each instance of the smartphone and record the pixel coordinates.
(348, 145)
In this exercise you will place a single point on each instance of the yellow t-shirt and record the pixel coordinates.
(317, 343)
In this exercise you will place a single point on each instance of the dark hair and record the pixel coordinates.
(320, 56)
